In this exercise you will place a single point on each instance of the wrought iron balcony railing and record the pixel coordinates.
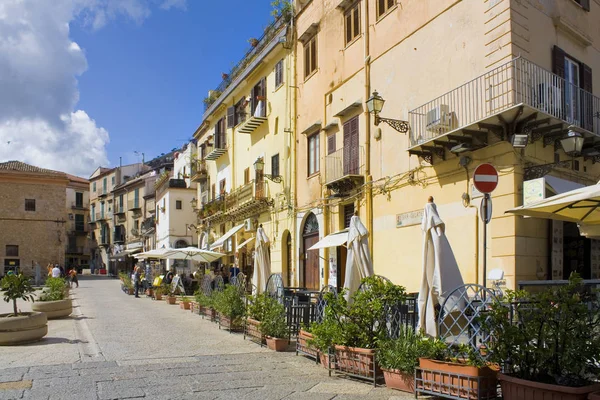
(134, 205)
(344, 162)
(79, 206)
(518, 82)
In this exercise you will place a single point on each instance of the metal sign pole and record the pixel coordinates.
(486, 198)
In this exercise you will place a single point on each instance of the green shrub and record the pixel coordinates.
(273, 321)
(55, 290)
(403, 352)
(257, 306)
(202, 299)
(16, 287)
(553, 337)
(230, 303)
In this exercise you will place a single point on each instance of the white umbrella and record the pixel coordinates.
(156, 253)
(262, 261)
(440, 270)
(358, 261)
(194, 254)
(579, 205)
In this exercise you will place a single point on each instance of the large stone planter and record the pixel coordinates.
(54, 309)
(24, 328)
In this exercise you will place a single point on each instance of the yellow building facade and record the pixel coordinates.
(460, 79)
(245, 166)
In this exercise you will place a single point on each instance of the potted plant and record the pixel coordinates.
(273, 325)
(54, 301)
(205, 304)
(20, 327)
(224, 76)
(254, 315)
(302, 343)
(127, 285)
(399, 358)
(550, 347)
(230, 307)
(171, 298)
(158, 292)
(184, 303)
(253, 42)
(326, 334)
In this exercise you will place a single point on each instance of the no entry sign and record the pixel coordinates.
(485, 178)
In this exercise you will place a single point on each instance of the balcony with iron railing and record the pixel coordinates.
(134, 205)
(272, 37)
(257, 115)
(148, 225)
(83, 250)
(77, 228)
(345, 169)
(215, 150)
(119, 209)
(79, 206)
(101, 192)
(249, 199)
(519, 96)
(199, 171)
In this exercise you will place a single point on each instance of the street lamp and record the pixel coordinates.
(194, 203)
(572, 143)
(375, 105)
(259, 165)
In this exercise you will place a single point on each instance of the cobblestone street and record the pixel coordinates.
(116, 346)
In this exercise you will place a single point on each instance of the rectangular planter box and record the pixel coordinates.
(395, 379)
(518, 389)
(252, 330)
(303, 347)
(457, 380)
(225, 322)
(277, 344)
(194, 307)
(357, 361)
(184, 305)
(208, 312)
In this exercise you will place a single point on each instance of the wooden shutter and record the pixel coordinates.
(313, 55)
(213, 190)
(351, 149)
(587, 98)
(230, 117)
(331, 144)
(222, 133)
(558, 61)
(263, 93)
(275, 165)
(306, 60)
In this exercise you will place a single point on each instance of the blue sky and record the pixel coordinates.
(145, 81)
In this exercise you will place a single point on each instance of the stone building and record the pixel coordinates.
(32, 217)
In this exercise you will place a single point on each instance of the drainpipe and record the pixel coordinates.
(368, 177)
(292, 201)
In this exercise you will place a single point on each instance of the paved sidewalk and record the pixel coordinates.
(116, 347)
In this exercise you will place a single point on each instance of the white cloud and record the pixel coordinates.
(39, 66)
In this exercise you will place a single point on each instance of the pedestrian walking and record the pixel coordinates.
(136, 281)
(56, 271)
(73, 275)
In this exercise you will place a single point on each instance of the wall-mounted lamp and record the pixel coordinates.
(259, 165)
(194, 203)
(519, 140)
(375, 105)
(572, 143)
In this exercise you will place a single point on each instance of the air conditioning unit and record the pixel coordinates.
(249, 225)
(439, 118)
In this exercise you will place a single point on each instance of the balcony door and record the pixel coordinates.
(572, 84)
(351, 149)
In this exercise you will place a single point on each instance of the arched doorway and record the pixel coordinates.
(180, 244)
(286, 258)
(310, 236)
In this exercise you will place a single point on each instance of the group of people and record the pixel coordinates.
(57, 271)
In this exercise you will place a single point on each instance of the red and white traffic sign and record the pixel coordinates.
(485, 178)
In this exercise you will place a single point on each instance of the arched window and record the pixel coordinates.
(311, 226)
(180, 244)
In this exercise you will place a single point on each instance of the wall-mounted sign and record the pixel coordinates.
(409, 218)
(534, 190)
(135, 245)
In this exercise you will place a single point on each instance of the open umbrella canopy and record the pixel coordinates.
(440, 270)
(358, 262)
(194, 254)
(579, 205)
(156, 253)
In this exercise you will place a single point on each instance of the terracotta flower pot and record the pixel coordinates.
(395, 379)
(303, 345)
(594, 396)
(453, 379)
(521, 389)
(277, 344)
(171, 300)
(158, 296)
(130, 291)
(356, 360)
(184, 305)
(149, 292)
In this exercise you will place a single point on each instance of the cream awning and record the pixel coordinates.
(226, 236)
(245, 242)
(332, 240)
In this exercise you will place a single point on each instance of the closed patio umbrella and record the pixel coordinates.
(358, 262)
(440, 270)
(262, 261)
